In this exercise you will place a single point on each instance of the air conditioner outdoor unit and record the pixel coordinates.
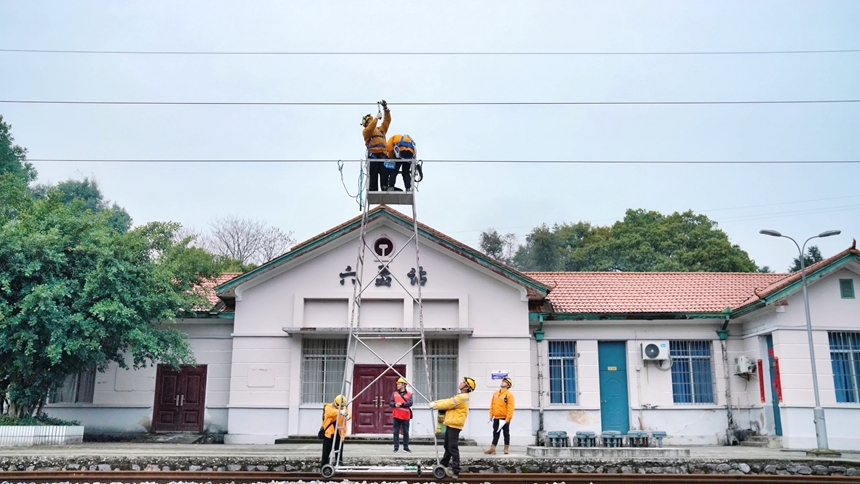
(744, 365)
(655, 350)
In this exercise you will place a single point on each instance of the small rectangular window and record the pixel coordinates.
(845, 361)
(76, 388)
(692, 372)
(562, 372)
(846, 288)
(323, 362)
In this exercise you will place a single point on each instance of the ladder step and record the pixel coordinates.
(390, 198)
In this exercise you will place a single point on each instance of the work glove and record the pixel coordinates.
(379, 116)
(431, 405)
(384, 104)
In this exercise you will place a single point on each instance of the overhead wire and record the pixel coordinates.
(430, 103)
(417, 53)
(463, 161)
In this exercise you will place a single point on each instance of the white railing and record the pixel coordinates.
(25, 436)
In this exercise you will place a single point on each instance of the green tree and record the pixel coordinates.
(13, 158)
(812, 256)
(74, 293)
(644, 241)
(89, 193)
(498, 246)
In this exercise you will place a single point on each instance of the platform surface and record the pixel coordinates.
(390, 198)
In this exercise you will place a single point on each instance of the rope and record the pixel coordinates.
(356, 197)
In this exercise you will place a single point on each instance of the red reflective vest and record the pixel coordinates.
(401, 413)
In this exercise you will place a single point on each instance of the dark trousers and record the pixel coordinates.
(505, 429)
(452, 449)
(401, 424)
(379, 174)
(405, 169)
(328, 444)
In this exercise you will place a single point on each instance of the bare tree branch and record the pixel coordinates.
(245, 239)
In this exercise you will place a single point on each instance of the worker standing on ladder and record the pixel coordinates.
(457, 409)
(374, 140)
(501, 412)
(335, 415)
(401, 148)
(401, 403)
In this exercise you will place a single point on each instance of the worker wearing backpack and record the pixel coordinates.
(333, 428)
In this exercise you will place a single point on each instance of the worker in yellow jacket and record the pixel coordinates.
(457, 409)
(501, 412)
(374, 141)
(333, 429)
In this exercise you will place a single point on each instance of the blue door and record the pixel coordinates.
(614, 407)
(774, 395)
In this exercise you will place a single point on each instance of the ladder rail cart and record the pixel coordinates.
(356, 338)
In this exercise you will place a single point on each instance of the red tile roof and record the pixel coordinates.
(651, 292)
(207, 290)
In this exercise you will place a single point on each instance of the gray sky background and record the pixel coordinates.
(458, 199)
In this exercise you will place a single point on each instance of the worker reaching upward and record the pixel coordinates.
(374, 140)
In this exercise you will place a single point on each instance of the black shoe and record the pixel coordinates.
(407, 451)
(395, 451)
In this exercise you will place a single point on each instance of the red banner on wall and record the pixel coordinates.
(761, 381)
(776, 382)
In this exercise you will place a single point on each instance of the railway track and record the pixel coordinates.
(76, 477)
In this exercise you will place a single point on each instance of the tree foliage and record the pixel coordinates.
(75, 292)
(498, 246)
(644, 241)
(89, 193)
(13, 158)
(812, 256)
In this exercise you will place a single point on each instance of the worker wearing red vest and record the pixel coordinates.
(401, 403)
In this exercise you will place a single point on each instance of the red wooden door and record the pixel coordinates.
(371, 413)
(180, 399)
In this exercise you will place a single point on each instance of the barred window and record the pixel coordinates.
(562, 372)
(76, 388)
(323, 362)
(845, 359)
(846, 288)
(442, 359)
(692, 372)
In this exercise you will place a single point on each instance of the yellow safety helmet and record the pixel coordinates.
(508, 381)
(402, 380)
(470, 382)
(365, 119)
(339, 400)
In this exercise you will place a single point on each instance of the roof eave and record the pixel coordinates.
(535, 317)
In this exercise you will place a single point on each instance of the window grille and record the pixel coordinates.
(442, 358)
(323, 362)
(845, 360)
(846, 288)
(76, 388)
(692, 372)
(562, 372)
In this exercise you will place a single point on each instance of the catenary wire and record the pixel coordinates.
(584, 162)
(391, 53)
(439, 103)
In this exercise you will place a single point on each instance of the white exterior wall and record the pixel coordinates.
(123, 400)
(787, 325)
(307, 294)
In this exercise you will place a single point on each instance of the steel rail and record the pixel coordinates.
(265, 476)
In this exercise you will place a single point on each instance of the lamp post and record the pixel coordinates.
(817, 412)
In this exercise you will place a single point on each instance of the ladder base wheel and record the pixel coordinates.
(439, 472)
(327, 471)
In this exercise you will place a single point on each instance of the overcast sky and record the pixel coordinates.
(457, 199)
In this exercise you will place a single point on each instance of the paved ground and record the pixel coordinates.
(360, 450)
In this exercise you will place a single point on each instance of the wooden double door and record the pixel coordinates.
(180, 399)
(370, 411)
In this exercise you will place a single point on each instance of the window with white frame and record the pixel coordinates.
(845, 360)
(562, 372)
(442, 357)
(692, 372)
(323, 362)
(76, 388)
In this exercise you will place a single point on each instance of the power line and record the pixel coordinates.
(332, 160)
(441, 103)
(354, 53)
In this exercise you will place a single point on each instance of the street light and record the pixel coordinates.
(817, 412)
